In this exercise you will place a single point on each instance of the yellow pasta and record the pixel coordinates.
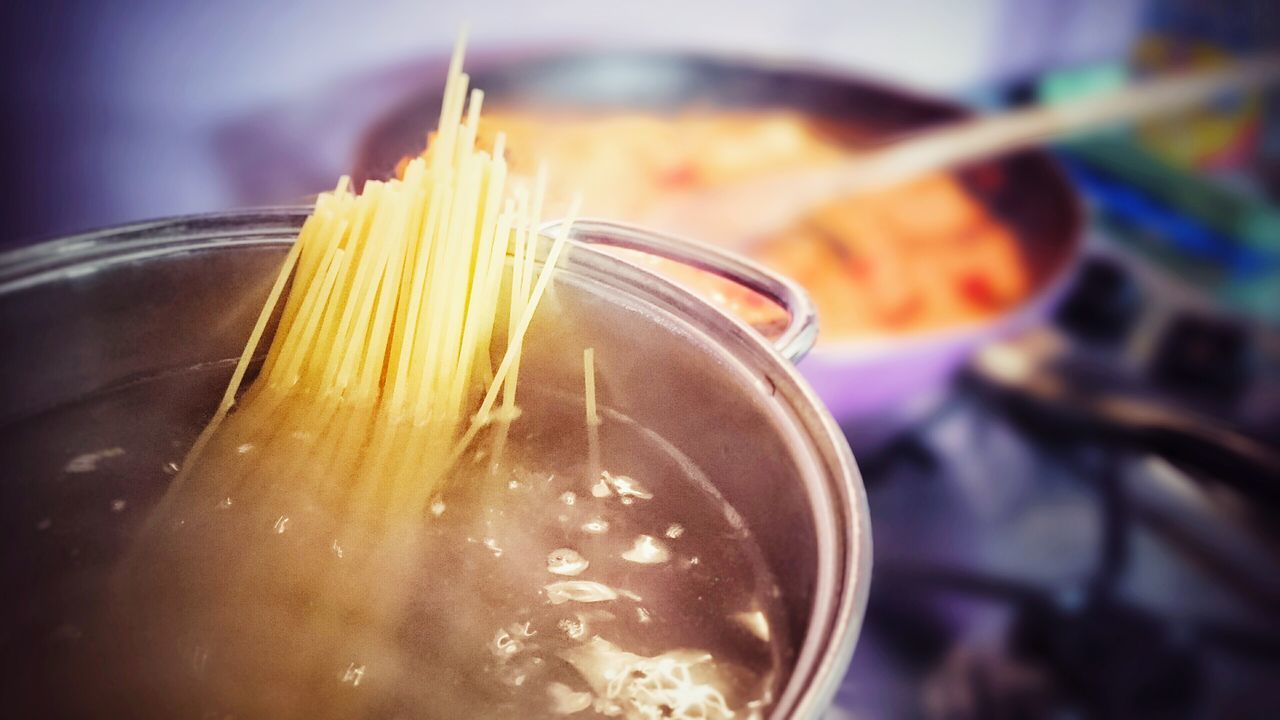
(395, 296)
(382, 371)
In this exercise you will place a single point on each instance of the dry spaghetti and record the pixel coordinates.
(387, 348)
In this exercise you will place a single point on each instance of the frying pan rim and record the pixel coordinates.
(855, 350)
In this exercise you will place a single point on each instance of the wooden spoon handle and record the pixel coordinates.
(983, 137)
(736, 215)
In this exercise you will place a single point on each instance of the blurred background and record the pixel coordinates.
(120, 111)
(1074, 513)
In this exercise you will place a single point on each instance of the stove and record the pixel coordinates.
(1086, 525)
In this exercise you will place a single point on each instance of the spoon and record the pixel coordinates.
(738, 214)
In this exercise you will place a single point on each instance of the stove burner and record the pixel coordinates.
(1072, 658)
(1111, 659)
(981, 605)
(1204, 359)
(1103, 303)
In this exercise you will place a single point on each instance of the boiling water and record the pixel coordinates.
(539, 586)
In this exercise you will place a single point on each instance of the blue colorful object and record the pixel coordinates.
(1140, 210)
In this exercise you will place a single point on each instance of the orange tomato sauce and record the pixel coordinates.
(920, 256)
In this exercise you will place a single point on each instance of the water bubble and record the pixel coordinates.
(647, 550)
(583, 591)
(601, 488)
(569, 497)
(566, 561)
(627, 487)
(520, 669)
(595, 526)
(567, 701)
(88, 462)
(437, 508)
(755, 622)
(676, 684)
(353, 674)
(575, 627)
(674, 530)
(513, 485)
(493, 547)
(282, 523)
(504, 646)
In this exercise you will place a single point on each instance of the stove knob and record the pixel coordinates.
(1203, 358)
(1102, 303)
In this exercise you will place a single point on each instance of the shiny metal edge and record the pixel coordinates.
(801, 332)
(87, 252)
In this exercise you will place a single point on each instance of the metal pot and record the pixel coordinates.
(82, 316)
(870, 385)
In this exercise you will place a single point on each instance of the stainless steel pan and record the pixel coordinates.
(118, 344)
